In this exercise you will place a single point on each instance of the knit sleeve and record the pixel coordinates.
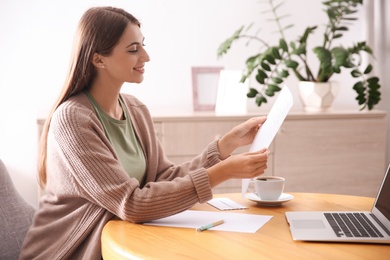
(83, 164)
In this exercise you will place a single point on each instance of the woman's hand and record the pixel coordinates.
(240, 166)
(240, 135)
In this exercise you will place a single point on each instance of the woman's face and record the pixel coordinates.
(127, 60)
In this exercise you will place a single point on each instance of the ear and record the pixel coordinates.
(97, 61)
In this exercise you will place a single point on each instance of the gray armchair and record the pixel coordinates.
(15, 217)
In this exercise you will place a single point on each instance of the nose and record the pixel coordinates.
(145, 56)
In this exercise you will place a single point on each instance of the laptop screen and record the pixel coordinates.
(383, 201)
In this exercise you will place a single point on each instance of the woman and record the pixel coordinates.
(99, 155)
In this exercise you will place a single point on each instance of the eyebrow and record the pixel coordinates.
(135, 43)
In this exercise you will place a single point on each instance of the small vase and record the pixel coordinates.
(318, 96)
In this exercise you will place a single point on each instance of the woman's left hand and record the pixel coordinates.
(240, 135)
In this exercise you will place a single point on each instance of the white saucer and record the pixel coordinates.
(283, 198)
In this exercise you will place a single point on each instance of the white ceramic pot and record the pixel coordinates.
(318, 96)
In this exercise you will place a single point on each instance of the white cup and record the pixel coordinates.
(269, 187)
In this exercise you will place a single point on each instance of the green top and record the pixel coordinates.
(124, 140)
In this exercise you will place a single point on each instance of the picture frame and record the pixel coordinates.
(205, 82)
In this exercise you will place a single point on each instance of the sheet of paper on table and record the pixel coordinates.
(234, 222)
(268, 130)
(225, 204)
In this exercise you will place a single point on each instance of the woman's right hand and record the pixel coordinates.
(241, 166)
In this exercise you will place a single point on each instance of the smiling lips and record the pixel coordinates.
(140, 69)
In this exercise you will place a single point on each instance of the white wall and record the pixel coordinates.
(36, 38)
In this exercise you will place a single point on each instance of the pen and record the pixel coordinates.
(208, 226)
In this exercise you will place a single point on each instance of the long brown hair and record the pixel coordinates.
(99, 30)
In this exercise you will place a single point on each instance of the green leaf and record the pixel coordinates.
(283, 73)
(341, 56)
(260, 100)
(300, 50)
(269, 93)
(252, 63)
(350, 19)
(252, 59)
(326, 67)
(292, 44)
(342, 28)
(265, 66)
(275, 53)
(374, 96)
(324, 56)
(359, 87)
(270, 59)
(303, 38)
(225, 46)
(361, 99)
(288, 26)
(373, 93)
(283, 45)
(291, 64)
(373, 80)
(355, 73)
(274, 88)
(252, 93)
(375, 87)
(261, 76)
(277, 80)
(368, 69)
(243, 78)
(260, 79)
(360, 46)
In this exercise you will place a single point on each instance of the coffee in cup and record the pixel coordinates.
(269, 187)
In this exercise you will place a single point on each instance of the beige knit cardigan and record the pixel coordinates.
(86, 185)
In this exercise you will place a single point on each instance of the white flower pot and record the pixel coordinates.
(318, 96)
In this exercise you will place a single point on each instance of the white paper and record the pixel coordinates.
(225, 204)
(234, 222)
(268, 130)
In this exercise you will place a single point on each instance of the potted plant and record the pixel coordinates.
(275, 63)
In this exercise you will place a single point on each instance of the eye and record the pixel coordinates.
(133, 50)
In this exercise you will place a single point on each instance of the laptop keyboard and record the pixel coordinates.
(352, 225)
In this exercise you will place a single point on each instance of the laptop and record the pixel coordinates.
(346, 226)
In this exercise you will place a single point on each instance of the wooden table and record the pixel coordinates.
(124, 240)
